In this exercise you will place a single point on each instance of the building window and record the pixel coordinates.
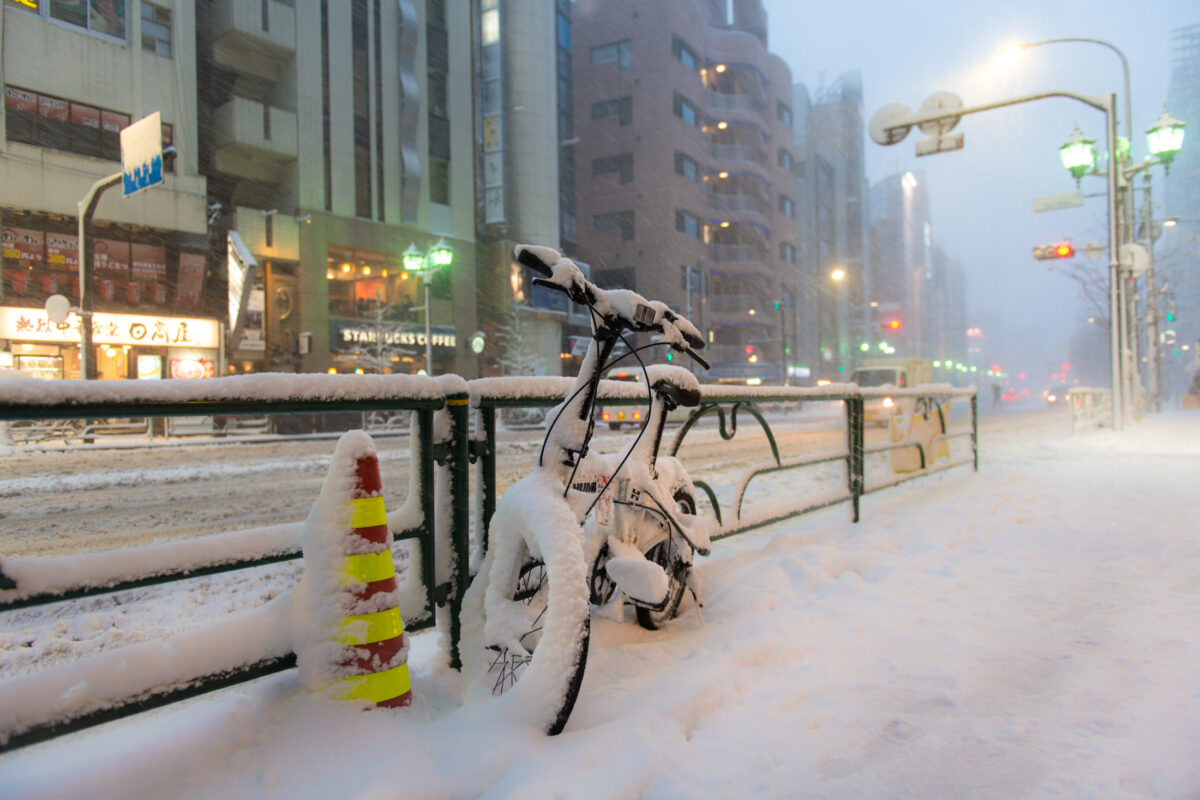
(687, 223)
(786, 206)
(687, 166)
(621, 164)
(620, 52)
(783, 112)
(620, 107)
(784, 159)
(156, 30)
(787, 252)
(58, 124)
(106, 18)
(684, 54)
(439, 181)
(615, 221)
(686, 111)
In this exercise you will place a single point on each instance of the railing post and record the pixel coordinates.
(854, 448)
(975, 429)
(460, 555)
(428, 537)
(485, 485)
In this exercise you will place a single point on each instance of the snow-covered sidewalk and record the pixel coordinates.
(1028, 631)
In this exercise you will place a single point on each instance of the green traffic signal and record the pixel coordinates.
(1170, 316)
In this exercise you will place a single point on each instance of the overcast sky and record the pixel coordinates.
(982, 196)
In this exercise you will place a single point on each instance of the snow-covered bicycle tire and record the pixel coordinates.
(533, 587)
(652, 619)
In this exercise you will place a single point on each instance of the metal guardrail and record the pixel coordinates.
(442, 532)
(490, 394)
(244, 395)
(1090, 407)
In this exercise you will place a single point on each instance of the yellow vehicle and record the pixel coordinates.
(616, 416)
(902, 373)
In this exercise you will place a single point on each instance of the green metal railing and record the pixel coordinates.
(429, 533)
(715, 400)
(466, 434)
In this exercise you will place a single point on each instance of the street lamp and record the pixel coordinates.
(1165, 138)
(425, 264)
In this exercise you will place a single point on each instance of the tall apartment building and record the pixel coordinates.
(340, 134)
(685, 190)
(74, 75)
(525, 178)
(913, 281)
(836, 295)
(901, 260)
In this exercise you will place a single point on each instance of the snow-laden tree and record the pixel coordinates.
(516, 333)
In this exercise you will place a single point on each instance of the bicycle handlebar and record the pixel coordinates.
(619, 308)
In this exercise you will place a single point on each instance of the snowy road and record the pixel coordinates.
(65, 500)
(1030, 631)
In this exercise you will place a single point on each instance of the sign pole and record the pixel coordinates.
(87, 207)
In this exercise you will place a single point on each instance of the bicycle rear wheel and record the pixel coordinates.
(663, 555)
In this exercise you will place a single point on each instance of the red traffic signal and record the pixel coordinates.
(1057, 250)
(893, 324)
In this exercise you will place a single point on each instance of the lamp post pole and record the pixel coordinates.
(1154, 350)
(440, 255)
(891, 125)
(427, 279)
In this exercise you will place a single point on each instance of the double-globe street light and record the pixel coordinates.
(425, 264)
(1165, 139)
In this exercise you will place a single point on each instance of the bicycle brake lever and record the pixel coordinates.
(699, 359)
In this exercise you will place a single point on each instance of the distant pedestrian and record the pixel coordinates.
(995, 395)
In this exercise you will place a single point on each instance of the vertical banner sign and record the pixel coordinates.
(240, 267)
(190, 284)
(491, 106)
(141, 154)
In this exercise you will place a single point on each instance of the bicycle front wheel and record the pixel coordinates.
(534, 641)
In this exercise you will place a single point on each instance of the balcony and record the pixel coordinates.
(257, 37)
(736, 254)
(744, 203)
(737, 152)
(259, 138)
(722, 101)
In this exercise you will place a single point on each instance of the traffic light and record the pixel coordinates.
(670, 356)
(751, 356)
(1056, 250)
(893, 324)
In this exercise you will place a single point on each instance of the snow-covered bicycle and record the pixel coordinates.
(582, 526)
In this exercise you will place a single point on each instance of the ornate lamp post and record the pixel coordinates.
(425, 264)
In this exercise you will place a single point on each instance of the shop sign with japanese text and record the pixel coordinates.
(33, 324)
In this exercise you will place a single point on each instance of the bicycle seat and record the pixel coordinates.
(678, 385)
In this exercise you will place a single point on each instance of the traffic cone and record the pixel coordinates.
(376, 649)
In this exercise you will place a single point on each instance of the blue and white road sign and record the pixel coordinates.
(142, 154)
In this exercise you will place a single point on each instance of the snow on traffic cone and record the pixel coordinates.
(348, 635)
(377, 648)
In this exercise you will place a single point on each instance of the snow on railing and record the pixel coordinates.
(436, 516)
